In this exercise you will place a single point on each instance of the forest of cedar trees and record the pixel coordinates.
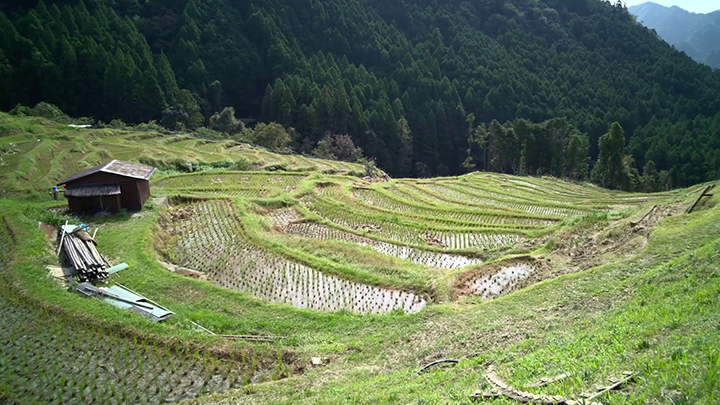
(571, 88)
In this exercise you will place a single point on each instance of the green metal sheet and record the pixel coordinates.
(157, 313)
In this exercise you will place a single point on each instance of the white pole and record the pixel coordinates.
(62, 236)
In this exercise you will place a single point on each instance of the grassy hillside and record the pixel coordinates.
(535, 275)
(36, 153)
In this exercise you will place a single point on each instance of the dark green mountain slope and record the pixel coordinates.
(692, 33)
(361, 66)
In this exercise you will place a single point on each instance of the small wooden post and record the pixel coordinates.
(700, 197)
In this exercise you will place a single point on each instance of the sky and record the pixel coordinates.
(695, 6)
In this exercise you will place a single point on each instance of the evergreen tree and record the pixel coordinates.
(429, 145)
(482, 140)
(525, 138)
(215, 92)
(651, 178)
(469, 164)
(119, 89)
(166, 78)
(5, 75)
(404, 160)
(609, 171)
(577, 156)
(192, 117)
(150, 97)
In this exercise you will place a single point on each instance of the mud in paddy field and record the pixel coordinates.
(207, 236)
(574, 250)
(587, 247)
(501, 278)
(288, 221)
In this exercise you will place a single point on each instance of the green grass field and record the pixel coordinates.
(536, 276)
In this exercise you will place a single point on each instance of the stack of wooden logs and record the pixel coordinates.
(81, 255)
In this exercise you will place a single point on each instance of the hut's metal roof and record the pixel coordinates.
(95, 190)
(118, 167)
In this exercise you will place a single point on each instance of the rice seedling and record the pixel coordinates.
(411, 254)
(211, 240)
(60, 364)
(408, 232)
(453, 195)
(385, 202)
(232, 180)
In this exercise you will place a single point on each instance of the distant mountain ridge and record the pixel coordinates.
(695, 34)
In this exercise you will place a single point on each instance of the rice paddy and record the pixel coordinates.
(442, 228)
(57, 363)
(210, 239)
(498, 279)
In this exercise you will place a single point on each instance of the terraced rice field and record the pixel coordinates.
(32, 147)
(58, 363)
(456, 195)
(49, 360)
(210, 239)
(406, 231)
(250, 180)
(500, 279)
(388, 202)
(290, 223)
(437, 224)
(441, 224)
(237, 184)
(311, 271)
(550, 190)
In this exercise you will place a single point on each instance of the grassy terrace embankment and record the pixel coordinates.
(536, 275)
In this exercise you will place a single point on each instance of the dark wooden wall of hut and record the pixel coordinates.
(144, 189)
(133, 192)
(92, 205)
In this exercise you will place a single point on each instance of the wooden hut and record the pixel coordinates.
(109, 187)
